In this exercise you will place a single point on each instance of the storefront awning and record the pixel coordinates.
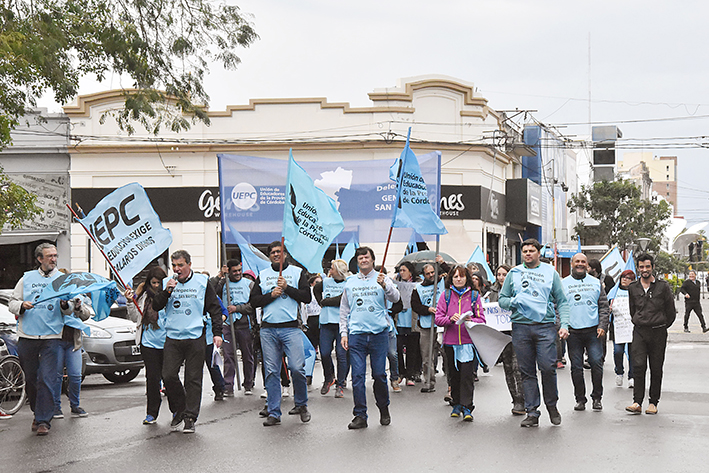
(15, 238)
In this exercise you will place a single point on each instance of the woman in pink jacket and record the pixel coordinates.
(460, 303)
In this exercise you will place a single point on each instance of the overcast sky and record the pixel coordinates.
(648, 60)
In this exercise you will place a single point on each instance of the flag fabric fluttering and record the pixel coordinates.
(311, 220)
(412, 247)
(479, 257)
(613, 263)
(68, 286)
(413, 208)
(349, 251)
(251, 258)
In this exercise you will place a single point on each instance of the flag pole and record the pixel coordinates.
(113, 268)
(434, 303)
(386, 250)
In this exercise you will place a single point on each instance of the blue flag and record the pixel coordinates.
(128, 230)
(68, 286)
(630, 264)
(479, 257)
(413, 208)
(412, 247)
(349, 251)
(310, 355)
(578, 239)
(310, 219)
(251, 257)
(613, 264)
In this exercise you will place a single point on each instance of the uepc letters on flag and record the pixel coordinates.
(310, 219)
(128, 229)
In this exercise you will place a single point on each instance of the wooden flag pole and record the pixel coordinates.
(386, 250)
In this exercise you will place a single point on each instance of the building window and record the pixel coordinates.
(668, 169)
(668, 194)
(667, 185)
(668, 177)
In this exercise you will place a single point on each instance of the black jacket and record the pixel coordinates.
(654, 309)
(691, 288)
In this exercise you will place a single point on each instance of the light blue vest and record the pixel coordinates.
(532, 287)
(239, 292)
(331, 288)
(284, 309)
(426, 296)
(583, 297)
(185, 308)
(155, 338)
(368, 313)
(45, 318)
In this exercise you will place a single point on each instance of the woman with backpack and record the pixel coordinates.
(460, 303)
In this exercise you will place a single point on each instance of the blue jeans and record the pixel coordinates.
(39, 362)
(535, 345)
(275, 342)
(578, 341)
(393, 356)
(376, 345)
(618, 352)
(329, 334)
(67, 356)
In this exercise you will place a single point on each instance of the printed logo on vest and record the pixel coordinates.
(188, 311)
(577, 297)
(176, 304)
(525, 284)
(359, 302)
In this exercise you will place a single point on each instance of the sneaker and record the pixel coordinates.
(263, 412)
(518, 409)
(149, 420)
(530, 421)
(580, 406)
(597, 406)
(428, 390)
(560, 365)
(554, 415)
(78, 412)
(395, 386)
(264, 395)
(326, 386)
(357, 423)
(686, 330)
(189, 426)
(42, 429)
(58, 414)
(384, 416)
(340, 393)
(219, 396)
(619, 380)
(634, 408)
(248, 392)
(651, 409)
(229, 393)
(177, 421)
(456, 410)
(286, 391)
(410, 382)
(271, 421)
(5, 416)
(447, 397)
(705, 330)
(631, 383)
(467, 415)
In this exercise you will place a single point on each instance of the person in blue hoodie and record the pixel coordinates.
(533, 291)
(588, 322)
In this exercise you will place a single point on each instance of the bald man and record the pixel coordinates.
(588, 322)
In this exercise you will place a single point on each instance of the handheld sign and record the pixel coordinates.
(497, 317)
(128, 230)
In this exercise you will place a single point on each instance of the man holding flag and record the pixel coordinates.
(39, 328)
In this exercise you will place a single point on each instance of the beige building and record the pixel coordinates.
(662, 171)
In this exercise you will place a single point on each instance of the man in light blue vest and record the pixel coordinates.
(186, 298)
(533, 291)
(364, 330)
(39, 329)
(588, 322)
(280, 293)
(242, 315)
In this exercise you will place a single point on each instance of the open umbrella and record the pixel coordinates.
(421, 258)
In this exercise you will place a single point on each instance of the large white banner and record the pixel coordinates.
(497, 317)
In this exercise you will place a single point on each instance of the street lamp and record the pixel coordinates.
(643, 244)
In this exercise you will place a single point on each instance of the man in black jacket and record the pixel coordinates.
(652, 309)
(691, 290)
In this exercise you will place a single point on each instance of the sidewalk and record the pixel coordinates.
(676, 331)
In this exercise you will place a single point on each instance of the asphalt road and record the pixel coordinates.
(422, 436)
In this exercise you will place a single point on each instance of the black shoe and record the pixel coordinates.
(705, 330)
(428, 390)
(189, 426)
(586, 365)
(597, 406)
(530, 421)
(304, 414)
(177, 420)
(263, 412)
(686, 330)
(358, 423)
(580, 406)
(554, 415)
(219, 396)
(518, 409)
(384, 416)
(270, 421)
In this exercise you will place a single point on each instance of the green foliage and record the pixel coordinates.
(666, 263)
(164, 46)
(675, 283)
(16, 204)
(622, 215)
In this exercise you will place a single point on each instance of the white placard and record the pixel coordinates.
(497, 317)
(622, 324)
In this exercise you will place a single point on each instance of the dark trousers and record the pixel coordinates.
(184, 399)
(329, 336)
(461, 379)
(697, 308)
(245, 343)
(38, 359)
(586, 340)
(512, 375)
(313, 332)
(153, 359)
(214, 371)
(409, 366)
(648, 346)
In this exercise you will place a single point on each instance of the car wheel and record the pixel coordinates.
(123, 376)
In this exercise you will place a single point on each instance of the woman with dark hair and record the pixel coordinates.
(460, 303)
(151, 336)
(407, 339)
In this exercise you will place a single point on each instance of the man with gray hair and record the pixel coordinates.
(39, 329)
